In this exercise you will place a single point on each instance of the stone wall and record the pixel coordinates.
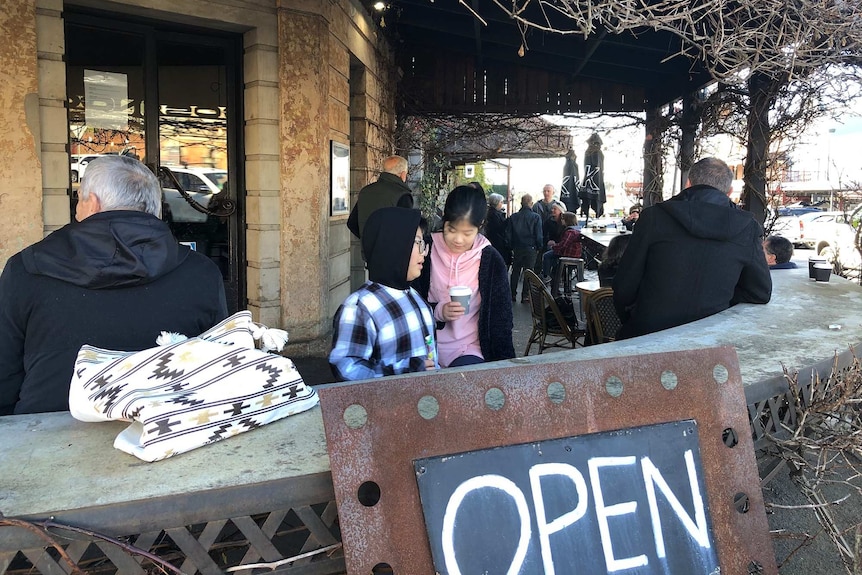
(314, 71)
(20, 133)
(336, 85)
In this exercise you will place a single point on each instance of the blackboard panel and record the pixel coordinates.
(631, 501)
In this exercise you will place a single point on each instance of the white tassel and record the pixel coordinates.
(169, 337)
(271, 339)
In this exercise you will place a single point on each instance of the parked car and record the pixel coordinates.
(834, 236)
(796, 210)
(792, 227)
(200, 183)
(816, 230)
(79, 165)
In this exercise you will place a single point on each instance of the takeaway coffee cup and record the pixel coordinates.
(813, 261)
(461, 294)
(822, 271)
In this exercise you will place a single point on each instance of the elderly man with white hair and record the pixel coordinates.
(495, 227)
(114, 279)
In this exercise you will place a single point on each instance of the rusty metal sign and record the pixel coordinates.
(377, 431)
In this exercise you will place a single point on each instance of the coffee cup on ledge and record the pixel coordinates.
(813, 261)
(461, 294)
(822, 271)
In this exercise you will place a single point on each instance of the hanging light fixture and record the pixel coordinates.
(380, 6)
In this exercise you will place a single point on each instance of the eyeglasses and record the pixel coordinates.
(423, 247)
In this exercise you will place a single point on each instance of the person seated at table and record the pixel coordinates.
(461, 256)
(778, 251)
(569, 246)
(611, 260)
(385, 327)
(690, 257)
(553, 227)
(630, 220)
(552, 230)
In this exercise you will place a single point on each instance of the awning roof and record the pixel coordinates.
(452, 62)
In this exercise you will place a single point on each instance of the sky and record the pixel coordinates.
(818, 148)
(622, 148)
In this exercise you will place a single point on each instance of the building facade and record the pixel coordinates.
(287, 106)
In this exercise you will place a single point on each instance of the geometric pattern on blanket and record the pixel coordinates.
(187, 394)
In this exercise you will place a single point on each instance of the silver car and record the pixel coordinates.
(201, 184)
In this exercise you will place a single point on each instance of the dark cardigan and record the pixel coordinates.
(495, 315)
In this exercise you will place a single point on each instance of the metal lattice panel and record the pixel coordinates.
(208, 548)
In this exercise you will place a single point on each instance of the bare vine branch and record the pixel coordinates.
(43, 530)
(772, 37)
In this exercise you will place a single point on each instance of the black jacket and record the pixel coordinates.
(495, 231)
(115, 281)
(387, 192)
(689, 257)
(524, 230)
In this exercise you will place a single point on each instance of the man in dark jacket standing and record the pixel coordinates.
(690, 257)
(495, 227)
(390, 190)
(524, 233)
(115, 280)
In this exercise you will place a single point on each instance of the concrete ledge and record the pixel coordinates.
(51, 463)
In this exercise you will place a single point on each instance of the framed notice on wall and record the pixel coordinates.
(339, 184)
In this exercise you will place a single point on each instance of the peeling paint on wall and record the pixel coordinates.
(21, 178)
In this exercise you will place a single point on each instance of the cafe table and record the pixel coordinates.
(585, 288)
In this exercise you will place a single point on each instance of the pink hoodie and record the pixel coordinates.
(459, 337)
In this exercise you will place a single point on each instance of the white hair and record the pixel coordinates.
(495, 200)
(122, 183)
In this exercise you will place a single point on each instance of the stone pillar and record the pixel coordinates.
(53, 119)
(262, 173)
(304, 134)
(20, 132)
(372, 125)
(359, 172)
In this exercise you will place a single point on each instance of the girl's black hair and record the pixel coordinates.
(466, 202)
(615, 250)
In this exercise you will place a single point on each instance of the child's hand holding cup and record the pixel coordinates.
(461, 294)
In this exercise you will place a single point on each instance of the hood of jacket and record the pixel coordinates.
(706, 213)
(387, 241)
(450, 269)
(107, 250)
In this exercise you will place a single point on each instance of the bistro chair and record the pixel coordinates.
(602, 319)
(549, 326)
(563, 275)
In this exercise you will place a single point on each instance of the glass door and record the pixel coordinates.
(167, 96)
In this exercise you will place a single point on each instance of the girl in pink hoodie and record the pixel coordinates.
(461, 256)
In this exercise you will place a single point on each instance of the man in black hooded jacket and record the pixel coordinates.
(690, 257)
(114, 279)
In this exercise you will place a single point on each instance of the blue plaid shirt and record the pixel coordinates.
(381, 331)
